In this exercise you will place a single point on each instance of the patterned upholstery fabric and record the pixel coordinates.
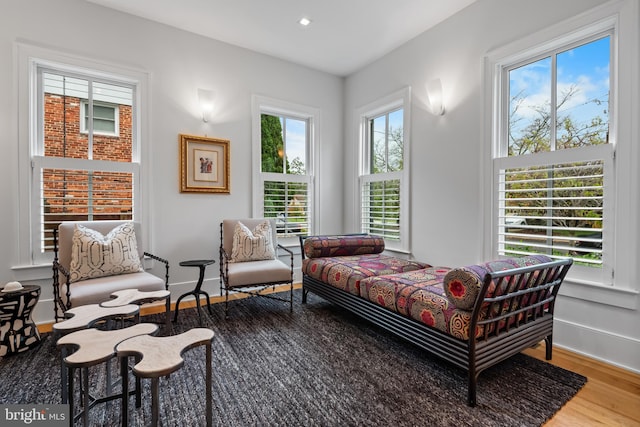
(419, 295)
(94, 255)
(252, 245)
(439, 297)
(462, 285)
(328, 246)
(346, 272)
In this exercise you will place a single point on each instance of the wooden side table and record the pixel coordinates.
(202, 264)
(18, 332)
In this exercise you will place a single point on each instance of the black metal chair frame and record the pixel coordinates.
(257, 288)
(59, 306)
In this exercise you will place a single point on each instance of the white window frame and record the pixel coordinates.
(116, 121)
(266, 105)
(399, 99)
(30, 263)
(620, 289)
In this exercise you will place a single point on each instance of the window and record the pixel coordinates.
(105, 118)
(84, 156)
(383, 177)
(553, 159)
(284, 186)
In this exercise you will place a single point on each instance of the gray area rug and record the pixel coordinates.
(317, 366)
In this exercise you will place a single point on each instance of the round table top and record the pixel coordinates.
(197, 262)
(23, 290)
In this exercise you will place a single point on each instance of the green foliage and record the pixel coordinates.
(272, 144)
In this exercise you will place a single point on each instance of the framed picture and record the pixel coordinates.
(204, 165)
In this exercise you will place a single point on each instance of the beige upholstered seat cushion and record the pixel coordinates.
(256, 272)
(95, 291)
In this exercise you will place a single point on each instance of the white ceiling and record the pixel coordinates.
(344, 35)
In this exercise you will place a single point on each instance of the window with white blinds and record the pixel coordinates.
(557, 209)
(553, 164)
(384, 170)
(284, 180)
(84, 166)
(381, 206)
(286, 201)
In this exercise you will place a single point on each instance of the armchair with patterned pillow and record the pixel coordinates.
(249, 260)
(94, 259)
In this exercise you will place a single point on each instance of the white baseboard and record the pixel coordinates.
(607, 347)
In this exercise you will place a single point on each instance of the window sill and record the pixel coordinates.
(32, 272)
(600, 293)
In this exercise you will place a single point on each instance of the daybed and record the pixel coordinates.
(507, 303)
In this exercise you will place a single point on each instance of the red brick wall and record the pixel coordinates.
(112, 192)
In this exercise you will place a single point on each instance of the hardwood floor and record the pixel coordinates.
(611, 396)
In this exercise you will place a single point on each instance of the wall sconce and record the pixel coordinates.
(205, 97)
(434, 97)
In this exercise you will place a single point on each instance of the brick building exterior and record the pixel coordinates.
(78, 194)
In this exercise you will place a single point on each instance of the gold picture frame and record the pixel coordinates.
(204, 165)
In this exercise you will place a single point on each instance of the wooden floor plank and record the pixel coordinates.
(611, 396)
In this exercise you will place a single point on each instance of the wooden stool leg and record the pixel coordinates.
(155, 401)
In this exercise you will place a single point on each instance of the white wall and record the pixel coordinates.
(184, 226)
(449, 157)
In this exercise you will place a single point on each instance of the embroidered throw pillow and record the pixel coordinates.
(94, 255)
(253, 245)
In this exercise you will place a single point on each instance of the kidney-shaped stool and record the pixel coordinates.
(94, 346)
(160, 356)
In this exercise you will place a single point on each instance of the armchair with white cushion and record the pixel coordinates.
(94, 259)
(249, 261)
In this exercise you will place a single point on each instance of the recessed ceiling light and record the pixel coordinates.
(304, 21)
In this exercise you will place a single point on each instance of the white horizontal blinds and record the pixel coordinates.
(380, 203)
(381, 184)
(83, 168)
(286, 201)
(76, 195)
(553, 209)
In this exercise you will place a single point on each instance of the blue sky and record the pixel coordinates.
(585, 68)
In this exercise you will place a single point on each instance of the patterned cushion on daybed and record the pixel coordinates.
(463, 284)
(346, 272)
(326, 246)
(439, 296)
(419, 295)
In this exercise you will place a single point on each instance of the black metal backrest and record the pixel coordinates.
(513, 298)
